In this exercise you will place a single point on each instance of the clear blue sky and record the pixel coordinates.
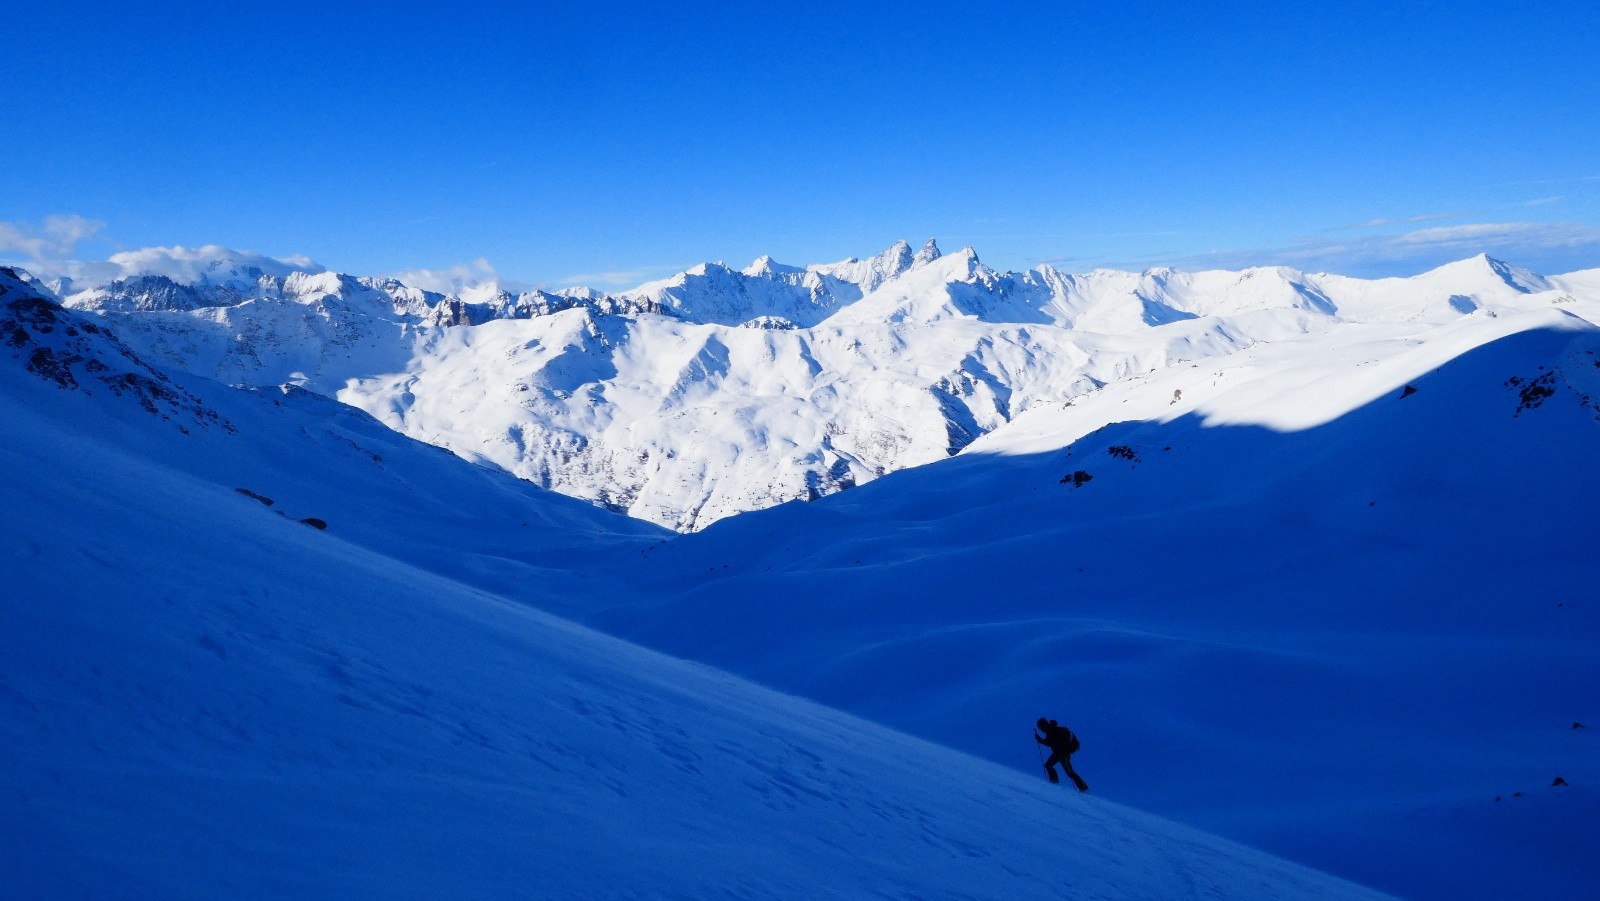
(574, 140)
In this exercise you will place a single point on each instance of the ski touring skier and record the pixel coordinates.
(1062, 744)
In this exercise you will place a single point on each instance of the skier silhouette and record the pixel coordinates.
(1062, 743)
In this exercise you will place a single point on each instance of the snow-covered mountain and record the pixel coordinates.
(1302, 557)
(719, 391)
(1333, 596)
(248, 652)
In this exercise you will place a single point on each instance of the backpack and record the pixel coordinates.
(1070, 743)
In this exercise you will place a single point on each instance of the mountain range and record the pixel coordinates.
(254, 647)
(1304, 560)
(720, 391)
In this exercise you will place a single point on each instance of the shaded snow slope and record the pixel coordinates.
(200, 698)
(1333, 598)
(719, 391)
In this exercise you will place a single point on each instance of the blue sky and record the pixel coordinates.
(605, 145)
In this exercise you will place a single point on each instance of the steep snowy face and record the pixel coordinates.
(77, 355)
(719, 391)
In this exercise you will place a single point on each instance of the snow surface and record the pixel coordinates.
(720, 391)
(1332, 596)
(1337, 620)
(200, 697)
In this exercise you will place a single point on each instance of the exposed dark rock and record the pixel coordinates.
(1532, 393)
(63, 348)
(1077, 479)
(45, 363)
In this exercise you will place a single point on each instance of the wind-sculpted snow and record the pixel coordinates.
(720, 391)
(248, 663)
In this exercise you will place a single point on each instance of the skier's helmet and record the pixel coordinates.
(1042, 722)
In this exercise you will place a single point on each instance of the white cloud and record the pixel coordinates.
(46, 249)
(186, 265)
(1403, 220)
(1549, 246)
(618, 278)
(53, 239)
(474, 277)
(1484, 236)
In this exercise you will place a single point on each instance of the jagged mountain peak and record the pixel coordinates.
(898, 258)
(870, 274)
(765, 266)
(895, 259)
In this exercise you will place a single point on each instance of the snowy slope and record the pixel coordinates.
(200, 698)
(720, 391)
(318, 458)
(1294, 602)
